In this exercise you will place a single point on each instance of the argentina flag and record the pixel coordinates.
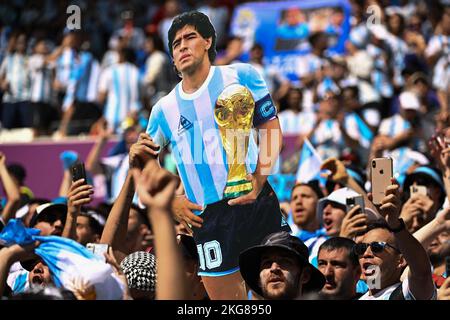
(309, 163)
(67, 260)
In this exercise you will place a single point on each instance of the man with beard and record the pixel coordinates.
(340, 266)
(438, 250)
(38, 274)
(278, 269)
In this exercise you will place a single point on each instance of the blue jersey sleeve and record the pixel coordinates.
(265, 109)
(155, 125)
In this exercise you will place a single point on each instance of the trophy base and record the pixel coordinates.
(236, 189)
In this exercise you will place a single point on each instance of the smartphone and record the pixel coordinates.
(355, 201)
(418, 190)
(78, 172)
(98, 249)
(380, 174)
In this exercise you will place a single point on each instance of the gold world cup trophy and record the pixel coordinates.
(234, 116)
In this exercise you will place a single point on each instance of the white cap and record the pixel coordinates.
(22, 212)
(43, 208)
(96, 217)
(408, 100)
(339, 196)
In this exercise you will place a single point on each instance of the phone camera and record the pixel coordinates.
(374, 164)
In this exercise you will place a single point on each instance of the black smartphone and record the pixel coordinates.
(78, 172)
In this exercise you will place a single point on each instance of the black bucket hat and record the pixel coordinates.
(250, 260)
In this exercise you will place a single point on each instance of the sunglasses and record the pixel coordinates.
(376, 247)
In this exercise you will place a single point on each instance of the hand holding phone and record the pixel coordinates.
(418, 190)
(99, 249)
(354, 201)
(381, 173)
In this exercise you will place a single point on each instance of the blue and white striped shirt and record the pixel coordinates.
(186, 121)
(379, 76)
(441, 71)
(122, 83)
(15, 70)
(329, 141)
(82, 85)
(41, 79)
(294, 123)
(65, 65)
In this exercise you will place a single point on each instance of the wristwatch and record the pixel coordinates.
(401, 227)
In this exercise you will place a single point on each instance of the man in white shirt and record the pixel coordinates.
(385, 251)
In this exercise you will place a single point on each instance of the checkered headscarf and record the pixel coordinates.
(140, 269)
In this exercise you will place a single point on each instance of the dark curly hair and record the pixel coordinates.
(201, 23)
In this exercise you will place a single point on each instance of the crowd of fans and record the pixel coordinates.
(387, 96)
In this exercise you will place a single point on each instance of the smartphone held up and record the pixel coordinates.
(381, 172)
(78, 172)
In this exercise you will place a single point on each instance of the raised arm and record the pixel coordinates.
(79, 194)
(11, 190)
(9, 255)
(419, 276)
(156, 189)
(115, 230)
(93, 158)
(441, 154)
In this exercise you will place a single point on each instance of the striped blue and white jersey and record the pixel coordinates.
(186, 122)
(65, 65)
(379, 76)
(399, 49)
(116, 171)
(82, 85)
(329, 141)
(295, 123)
(41, 79)
(394, 126)
(441, 71)
(123, 85)
(15, 69)
(18, 278)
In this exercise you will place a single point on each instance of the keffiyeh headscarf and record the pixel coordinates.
(140, 269)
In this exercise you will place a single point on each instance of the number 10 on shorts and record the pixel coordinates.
(211, 254)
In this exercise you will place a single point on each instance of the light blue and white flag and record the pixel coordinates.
(309, 163)
(68, 261)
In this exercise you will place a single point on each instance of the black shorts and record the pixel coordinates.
(228, 230)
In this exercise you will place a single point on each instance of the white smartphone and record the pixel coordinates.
(418, 190)
(98, 249)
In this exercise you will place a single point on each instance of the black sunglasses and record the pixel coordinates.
(376, 247)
